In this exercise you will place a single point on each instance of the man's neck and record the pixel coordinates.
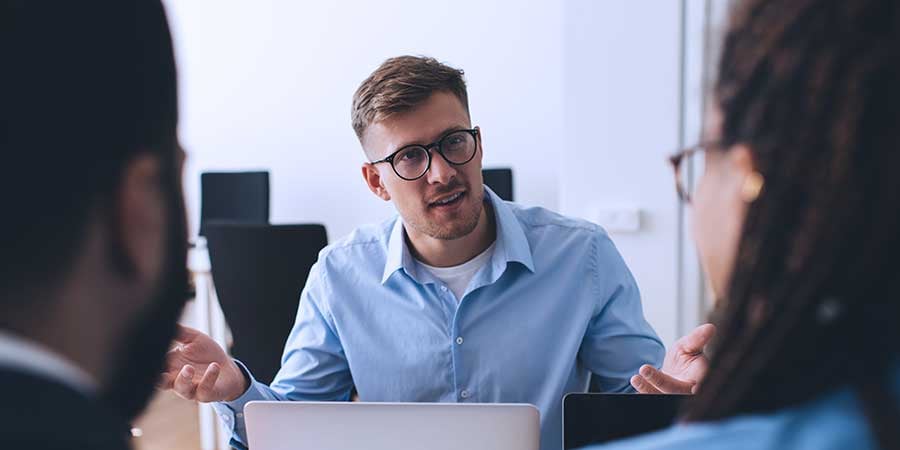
(449, 253)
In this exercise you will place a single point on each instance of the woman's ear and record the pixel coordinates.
(744, 170)
(741, 158)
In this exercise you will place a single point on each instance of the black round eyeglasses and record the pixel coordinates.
(412, 162)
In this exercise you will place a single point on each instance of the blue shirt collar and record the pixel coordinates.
(512, 244)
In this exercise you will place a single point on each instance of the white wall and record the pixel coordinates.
(621, 103)
(268, 84)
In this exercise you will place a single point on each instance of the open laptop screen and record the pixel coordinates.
(597, 418)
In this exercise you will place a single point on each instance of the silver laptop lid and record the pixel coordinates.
(391, 426)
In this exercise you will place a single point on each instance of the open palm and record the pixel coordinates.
(683, 369)
(197, 368)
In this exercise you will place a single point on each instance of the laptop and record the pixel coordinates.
(391, 426)
(598, 418)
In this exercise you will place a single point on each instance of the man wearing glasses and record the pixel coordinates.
(462, 298)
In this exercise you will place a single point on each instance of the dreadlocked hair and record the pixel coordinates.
(811, 87)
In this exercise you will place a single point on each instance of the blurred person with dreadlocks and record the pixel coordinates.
(796, 220)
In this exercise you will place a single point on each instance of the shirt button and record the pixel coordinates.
(464, 394)
(227, 419)
(239, 415)
(444, 288)
(459, 340)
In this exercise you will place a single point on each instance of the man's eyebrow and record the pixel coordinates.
(443, 133)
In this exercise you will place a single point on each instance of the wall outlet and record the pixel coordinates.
(618, 220)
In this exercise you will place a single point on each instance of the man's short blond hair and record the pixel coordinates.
(400, 84)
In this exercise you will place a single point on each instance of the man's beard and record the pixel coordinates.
(140, 356)
(466, 223)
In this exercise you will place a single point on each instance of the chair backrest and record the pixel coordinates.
(239, 197)
(259, 272)
(500, 181)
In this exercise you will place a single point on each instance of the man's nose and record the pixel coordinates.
(441, 171)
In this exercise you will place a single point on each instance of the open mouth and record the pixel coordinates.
(450, 200)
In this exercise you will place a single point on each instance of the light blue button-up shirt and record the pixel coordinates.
(554, 304)
(834, 421)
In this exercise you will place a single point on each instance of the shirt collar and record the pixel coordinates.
(25, 355)
(398, 256)
(511, 245)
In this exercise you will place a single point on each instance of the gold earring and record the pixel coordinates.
(753, 185)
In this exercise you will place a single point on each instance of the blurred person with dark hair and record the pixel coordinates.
(796, 219)
(93, 234)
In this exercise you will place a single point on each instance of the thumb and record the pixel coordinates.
(696, 341)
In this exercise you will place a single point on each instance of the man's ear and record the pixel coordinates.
(374, 182)
(479, 152)
(139, 231)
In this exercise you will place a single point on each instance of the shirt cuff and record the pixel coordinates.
(251, 394)
(232, 413)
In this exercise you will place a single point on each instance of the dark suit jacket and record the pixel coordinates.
(37, 413)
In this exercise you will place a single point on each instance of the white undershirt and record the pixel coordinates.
(27, 356)
(457, 278)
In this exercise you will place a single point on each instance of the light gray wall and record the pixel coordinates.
(621, 103)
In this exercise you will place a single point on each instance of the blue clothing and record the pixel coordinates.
(834, 421)
(554, 304)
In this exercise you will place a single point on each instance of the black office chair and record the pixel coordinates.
(259, 272)
(238, 197)
(500, 181)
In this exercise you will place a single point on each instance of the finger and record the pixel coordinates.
(206, 388)
(174, 364)
(166, 382)
(642, 386)
(186, 334)
(184, 383)
(663, 382)
(696, 341)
